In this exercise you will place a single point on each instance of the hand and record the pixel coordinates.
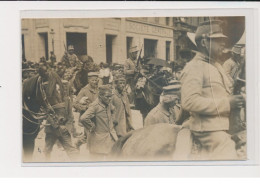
(236, 101)
(92, 128)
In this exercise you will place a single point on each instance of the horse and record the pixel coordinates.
(41, 100)
(158, 142)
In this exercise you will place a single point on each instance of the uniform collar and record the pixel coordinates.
(160, 108)
(91, 89)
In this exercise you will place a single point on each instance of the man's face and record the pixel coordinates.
(71, 51)
(215, 47)
(93, 82)
(134, 55)
(120, 85)
(43, 71)
(106, 97)
(178, 74)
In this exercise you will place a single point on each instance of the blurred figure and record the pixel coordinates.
(122, 113)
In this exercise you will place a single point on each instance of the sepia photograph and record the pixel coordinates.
(133, 89)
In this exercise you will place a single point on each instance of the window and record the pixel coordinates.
(129, 42)
(43, 45)
(167, 20)
(150, 48)
(110, 52)
(168, 49)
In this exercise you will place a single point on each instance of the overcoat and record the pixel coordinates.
(205, 94)
(122, 113)
(98, 120)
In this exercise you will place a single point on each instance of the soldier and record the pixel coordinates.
(70, 59)
(206, 94)
(98, 121)
(232, 65)
(122, 113)
(88, 94)
(130, 68)
(164, 111)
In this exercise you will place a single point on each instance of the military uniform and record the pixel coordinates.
(129, 71)
(122, 113)
(159, 115)
(98, 120)
(87, 92)
(205, 94)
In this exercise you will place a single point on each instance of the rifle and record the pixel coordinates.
(139, 58)
(138, 66)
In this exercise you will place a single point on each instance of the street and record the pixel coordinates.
(58, 153)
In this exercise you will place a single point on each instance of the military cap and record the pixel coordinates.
(29, 70)
(105, 88)
(237, 49)
(210, 29)
(119, 77)
(93, 74)
(133, 49)
(172, 89)
(70, 47)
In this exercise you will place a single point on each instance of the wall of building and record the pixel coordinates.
(97, 30)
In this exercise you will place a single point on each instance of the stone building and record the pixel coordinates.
(105, 39)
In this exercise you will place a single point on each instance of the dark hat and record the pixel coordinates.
(210, 29)
(86, 58)
(119, 77)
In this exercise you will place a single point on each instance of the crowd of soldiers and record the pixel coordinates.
(103, 96)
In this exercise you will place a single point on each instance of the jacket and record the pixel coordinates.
(122, 113)
(205, 94)
(98, 120)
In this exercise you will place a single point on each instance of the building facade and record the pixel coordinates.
(104, 39)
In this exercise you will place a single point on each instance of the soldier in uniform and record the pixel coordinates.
(70, 59)
(232, 65)
(130, 68)
(86, 96)
(206, 94)
(164, 111)
(122, 113)
(98, 121)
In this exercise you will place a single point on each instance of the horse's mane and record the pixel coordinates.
(29, 85)
(52, 81)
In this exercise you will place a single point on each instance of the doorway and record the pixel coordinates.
(43, 45)
(79, 41)
(110, 52)
(129, 44)
(150, 48)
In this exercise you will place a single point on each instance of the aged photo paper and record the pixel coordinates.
(133, 89)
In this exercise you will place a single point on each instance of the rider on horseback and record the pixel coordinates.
(206, 94)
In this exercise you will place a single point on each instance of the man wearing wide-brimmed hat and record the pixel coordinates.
(130, 67)
(206, 94)
(70, 59)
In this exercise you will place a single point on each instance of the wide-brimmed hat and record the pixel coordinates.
(70, 47)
